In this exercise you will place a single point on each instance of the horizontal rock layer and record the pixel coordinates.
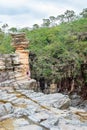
(40, 108)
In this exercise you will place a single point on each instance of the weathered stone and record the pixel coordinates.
(26, 84)
(50, 122)
(19, 112)
(14, 67)
(21, 43)
(39, 117)
(75, 100)
(55, 128)
(66, 124)
(56, 100)
(29, 127)
(53, 88)
(40, 110)
(83, 105)
(15, 59)
(20, 122)
(6, 109)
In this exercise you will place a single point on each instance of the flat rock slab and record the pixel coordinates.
(29, 127)
(21, 122)
(56, 100)
(29, 108)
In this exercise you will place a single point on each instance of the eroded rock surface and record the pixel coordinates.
(32, 110)
(6, 109)
(14, 67)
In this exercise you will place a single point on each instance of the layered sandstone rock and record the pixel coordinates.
(6, 67)
(14, 67)
(20, 43)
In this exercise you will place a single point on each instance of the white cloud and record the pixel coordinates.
(21, 21)
(13, 3)
(28, 12)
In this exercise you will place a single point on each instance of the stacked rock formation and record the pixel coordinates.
(8, 64)
(20, 43)
(14, 67)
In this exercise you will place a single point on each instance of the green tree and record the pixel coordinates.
(35, 26)
(46, 23)
(84, 13)
(52, 20)
(13, 30)
(4, 26)
(69, 15)
(61, 18)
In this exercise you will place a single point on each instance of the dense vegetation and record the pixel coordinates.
(58, 51)
(59, 54)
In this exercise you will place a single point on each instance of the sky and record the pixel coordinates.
(25, 13)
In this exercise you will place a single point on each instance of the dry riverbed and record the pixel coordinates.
(29, 110)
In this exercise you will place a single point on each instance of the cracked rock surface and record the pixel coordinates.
(29, 110)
